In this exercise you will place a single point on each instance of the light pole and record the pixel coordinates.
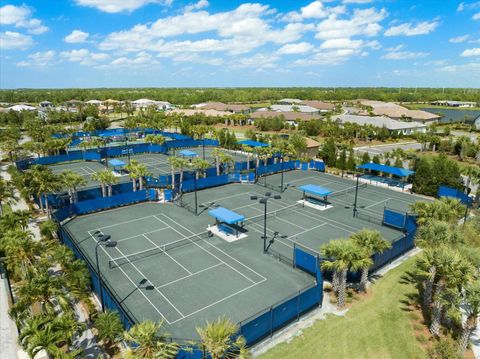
(102, 240)
(356, 196)
(264, 201)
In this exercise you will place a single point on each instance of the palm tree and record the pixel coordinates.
(443, 209)
(22, 217)
(471, 296)
(48, 229)
(72, 180)
(200, 166)
(342, 255)
(451, 271)
(109, 329)
(371, 242)
(175, 163)
(20, 251)
(218, 339)
(132, 172)
(470, 172)
(155, 139)
(142, 171)
(106, 179)
(217, 153)
(227, 160)
(148, 343)
(36, 334)
(7, 194)
(44, 182)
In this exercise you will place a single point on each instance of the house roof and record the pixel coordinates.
(289, 116)
(379, 121)
(191, 112)
(312, 143)
(291, 108)
(319, 105)
(290, 100)
(220, 106)
(394, 110)
(94, 102)
(19, 108)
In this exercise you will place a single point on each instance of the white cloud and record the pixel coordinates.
(410, 29)
(84, 56)
(357, 1)
(470, 68)
(38, 59)
(297, 48)
(10, 40)
(471, 52)
(468, 6)
(364, 22)
(240, 30)
(76, 37)
(258, 61)
(459, 39)
(196, 6)
(314, 10)
(195, 58)
(114, 6)
(395, 48)
(404, 55)
(476, 16)
(21, 17)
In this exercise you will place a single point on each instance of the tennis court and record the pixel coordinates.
(290, 222)
(166, 267)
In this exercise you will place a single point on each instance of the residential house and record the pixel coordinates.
(292, 118)
(396, 111)
(406, 128)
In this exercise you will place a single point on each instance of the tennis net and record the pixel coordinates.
(364, 216)
(271, 214)
(347, 190)
(120, 261)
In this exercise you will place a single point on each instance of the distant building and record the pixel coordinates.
(312, 148)
(406, 128)
(144, 103)
(46, 105)
(396, 111)
(290, 101)
(220, 106)
(291, 108)
(319, 105)
(94, 102)
(476, 123)
(454, 103)
(292, 118)
(19, 108)
(192, 112)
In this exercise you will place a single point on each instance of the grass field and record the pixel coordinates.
(378, 326)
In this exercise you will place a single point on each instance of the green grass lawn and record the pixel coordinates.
(377, 326)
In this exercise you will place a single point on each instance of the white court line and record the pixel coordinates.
(204, 249)
(131, 281)
(376, 204)
(218, 249)
(125, 222)
(141, 234)
(168, 255)
(227, 197)
(144, 276)
(219, 301)
(190, 275)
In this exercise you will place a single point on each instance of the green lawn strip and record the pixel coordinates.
(378, 326)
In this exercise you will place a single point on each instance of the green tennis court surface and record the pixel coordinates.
(166, 267)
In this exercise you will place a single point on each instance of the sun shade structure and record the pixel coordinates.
(116, 163)
(315, 190)
(396, 171)
(187, 153)
(224, 215)
(252, 143)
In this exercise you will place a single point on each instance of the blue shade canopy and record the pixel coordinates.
(116, 163)
(252, 143)
(397, 171)
(187, 153)
(225, 215)
(315, 190)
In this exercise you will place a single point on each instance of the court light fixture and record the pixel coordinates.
(111, 244)
(268, 194)
(277, 196)
(253, 198)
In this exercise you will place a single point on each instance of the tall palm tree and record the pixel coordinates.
(470, 172)
(219, 339)
(37, 334)
(227, 160)
(148, 343)
(175, 164)
(7, 194)
(443, 209)
(106, 179)
(133, 174)
(371, 242)
(217, 153)
(22, 217)
(109, 329)
(142, 171)
(20, 250)
(471, 298)
(200, 166)
(72, 180)
(342, 255)
(44, 181)
(248, 151)
(155, 139)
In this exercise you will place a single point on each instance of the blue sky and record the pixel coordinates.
(173, 43)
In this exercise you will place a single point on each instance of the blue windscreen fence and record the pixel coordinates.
(99, 204)
(444, 191)
(395, 219)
